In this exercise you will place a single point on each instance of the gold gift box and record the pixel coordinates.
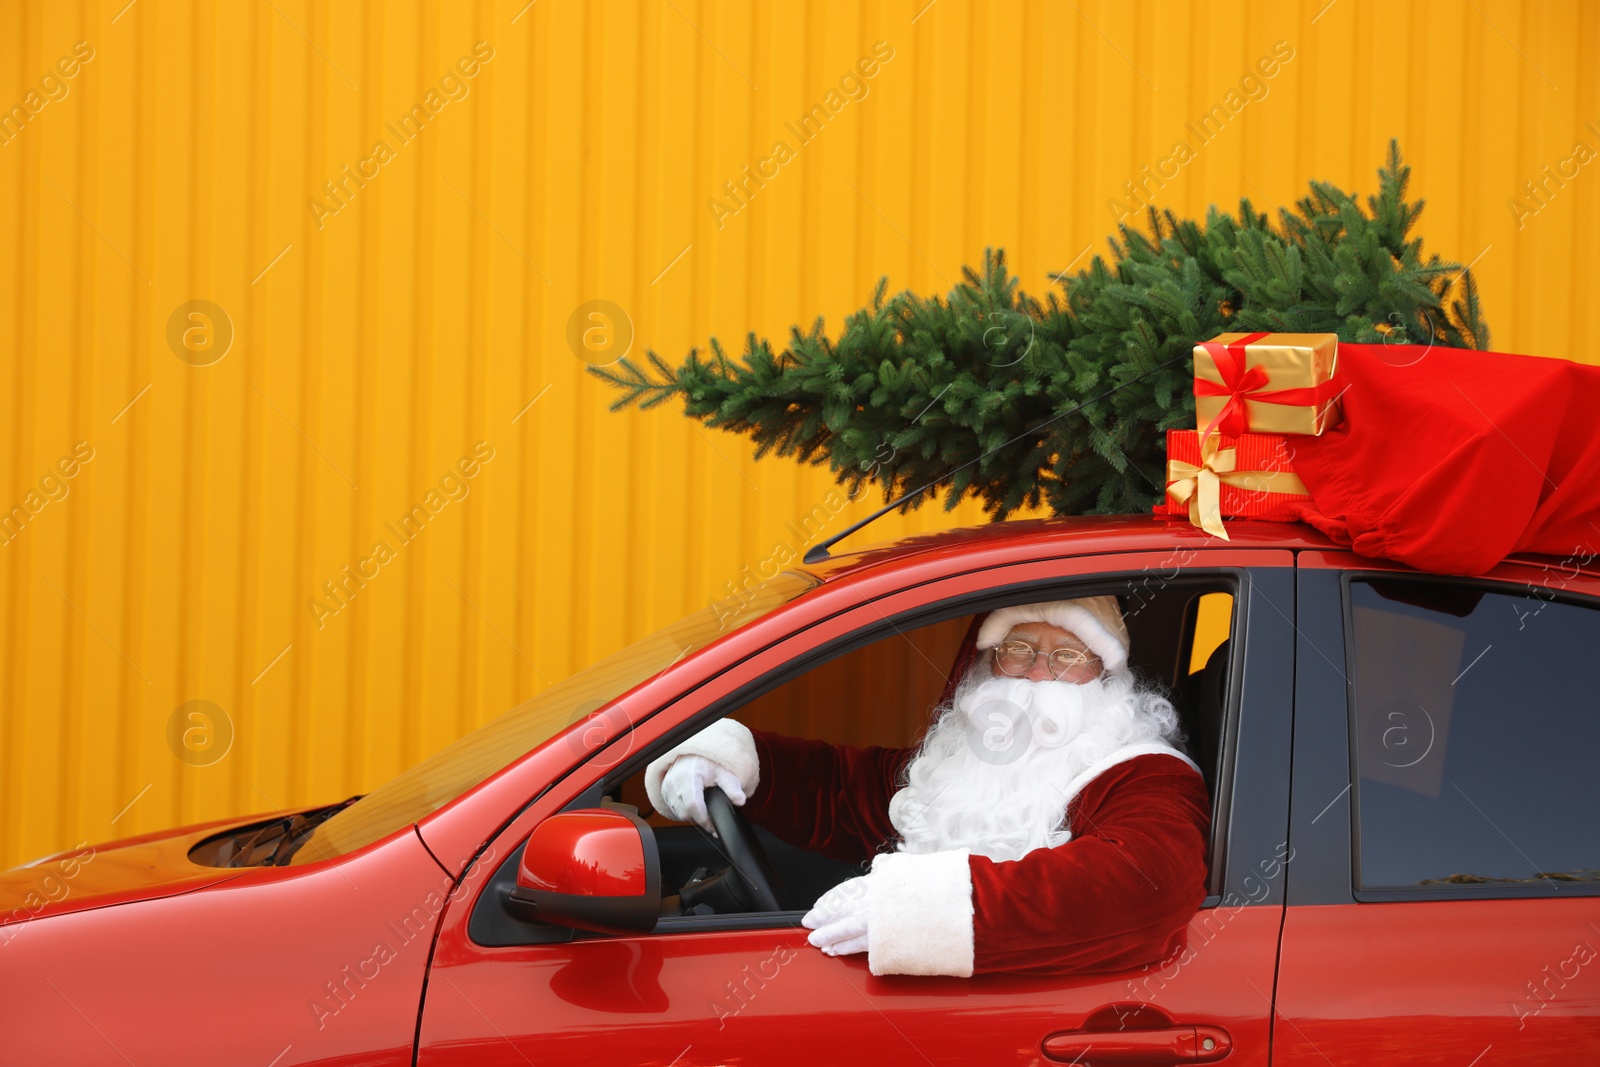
(1284, 383)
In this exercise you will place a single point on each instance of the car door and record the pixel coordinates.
(749, 989)
(1444, 902)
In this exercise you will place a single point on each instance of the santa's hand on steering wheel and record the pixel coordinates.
(722, 755)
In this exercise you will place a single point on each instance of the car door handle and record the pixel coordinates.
(1169, 1044)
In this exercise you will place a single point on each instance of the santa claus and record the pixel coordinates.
(1047, 823)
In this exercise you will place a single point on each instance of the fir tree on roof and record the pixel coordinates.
(985, 382)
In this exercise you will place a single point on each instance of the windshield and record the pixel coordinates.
(465, 763)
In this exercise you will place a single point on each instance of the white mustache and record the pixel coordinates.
(1049, 713)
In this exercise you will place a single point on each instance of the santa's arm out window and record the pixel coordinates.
(1115, 895)
(1111, 898)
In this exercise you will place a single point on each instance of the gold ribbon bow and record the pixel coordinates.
(1201, 486)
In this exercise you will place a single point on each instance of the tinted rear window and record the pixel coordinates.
(1476, 729)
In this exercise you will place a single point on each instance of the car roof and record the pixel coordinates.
(1092, 534)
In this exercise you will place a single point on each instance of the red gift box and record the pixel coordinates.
(1245, 477)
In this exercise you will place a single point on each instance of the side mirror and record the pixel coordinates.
(594, 869)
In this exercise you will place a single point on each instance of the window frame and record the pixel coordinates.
(1244, 577)
(1544, 890)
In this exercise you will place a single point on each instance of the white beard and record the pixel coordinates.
(992, 773)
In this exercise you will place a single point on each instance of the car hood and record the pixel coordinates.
(115, 872)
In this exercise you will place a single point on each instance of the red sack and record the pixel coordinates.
(1450, 459)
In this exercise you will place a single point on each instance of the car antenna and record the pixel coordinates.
(819, 551)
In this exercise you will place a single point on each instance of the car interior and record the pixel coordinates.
(883, 691)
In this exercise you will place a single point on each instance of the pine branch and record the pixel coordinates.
(637, 384)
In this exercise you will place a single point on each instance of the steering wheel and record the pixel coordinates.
(753, 879)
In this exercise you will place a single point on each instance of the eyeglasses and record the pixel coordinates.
(1016, 658)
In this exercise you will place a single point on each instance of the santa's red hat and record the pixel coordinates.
(1096, 620)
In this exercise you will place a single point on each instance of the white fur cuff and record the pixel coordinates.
(919, 918)
(725, 742)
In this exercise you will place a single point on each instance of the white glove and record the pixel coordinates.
(838, 920)
(723, 754)
(683, 789)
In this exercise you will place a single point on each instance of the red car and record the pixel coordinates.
(1403, 864)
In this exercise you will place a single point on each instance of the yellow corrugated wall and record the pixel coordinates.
(378, 337)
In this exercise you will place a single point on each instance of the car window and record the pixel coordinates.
(468, 761)
(1475, 732)
(885, 693)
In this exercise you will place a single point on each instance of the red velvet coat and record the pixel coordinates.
(1116, 896)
